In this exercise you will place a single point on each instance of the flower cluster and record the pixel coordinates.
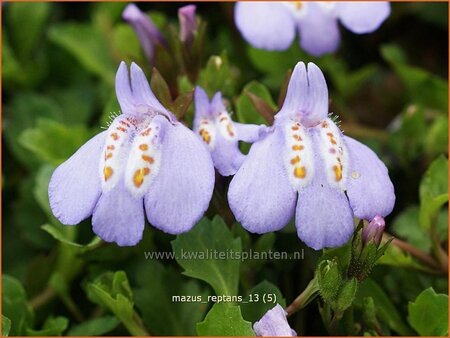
(149, 165)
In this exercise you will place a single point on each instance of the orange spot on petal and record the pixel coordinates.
(143, 147)
(148, 159)
(300, 172)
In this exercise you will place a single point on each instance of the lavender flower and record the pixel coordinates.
(274, 324)
(221, 134)
(373, 232)
(273, 25)
(145, 29)
(146, 158)
(188, 24)
(307, 168)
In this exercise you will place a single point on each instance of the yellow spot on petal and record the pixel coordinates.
(139, 175)
(143, 147)
(337, 172)
(108, 156)
(107, 173)
(115, 136)
(297, 147)
(300, 172)
(205, 136)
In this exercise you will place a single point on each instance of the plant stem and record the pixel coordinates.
(307, 295)
(419, 254)
(42, 298)
(135, 326)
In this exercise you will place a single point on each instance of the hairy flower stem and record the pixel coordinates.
(308, 294)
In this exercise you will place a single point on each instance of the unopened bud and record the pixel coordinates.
(145, 29)
(188, 23)
(373, 232)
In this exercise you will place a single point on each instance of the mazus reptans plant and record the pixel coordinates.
(306, 168)
(146, 163)
(220, 133)
(274, 25)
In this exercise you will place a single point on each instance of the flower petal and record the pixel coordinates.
(119, 216)
(180, 193)
(369, 187)
(362, 17)
(265, 25)
(307, 95)
(250, 132)
(142, 91)
(75, 185)
(274, 324)
(123, 90)
(323, 216)
(202, 109)
(319, 32)
(260, 194)
(226, 156)
(217, 104)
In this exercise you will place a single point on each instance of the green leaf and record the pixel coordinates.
(53, 326)
(406, 225)
(22, 113)
(195, 250)
(180, 303)
(436, 141)
(258, 304)
(88, 46)
(386, 311)
(433, 191)
(224, 320)
(428, 314)
(15, 306)
(6, 326)
(57, 234)
(245, 108)
(94, 327)
(113, 292)
(26, 22)
(423, 87)
(346, 295)
(160, 88)
(53, 142)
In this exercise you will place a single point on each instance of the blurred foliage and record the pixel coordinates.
(390, 90)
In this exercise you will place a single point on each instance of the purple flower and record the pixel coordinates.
(274, 324)
(305, 167)
(145, 29)
(273, 25)
(145, 160)
(220, 133)
(373, 232)
(188, 24)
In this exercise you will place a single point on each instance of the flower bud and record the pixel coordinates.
(373, 232)
(188, 23)
(145, 29)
